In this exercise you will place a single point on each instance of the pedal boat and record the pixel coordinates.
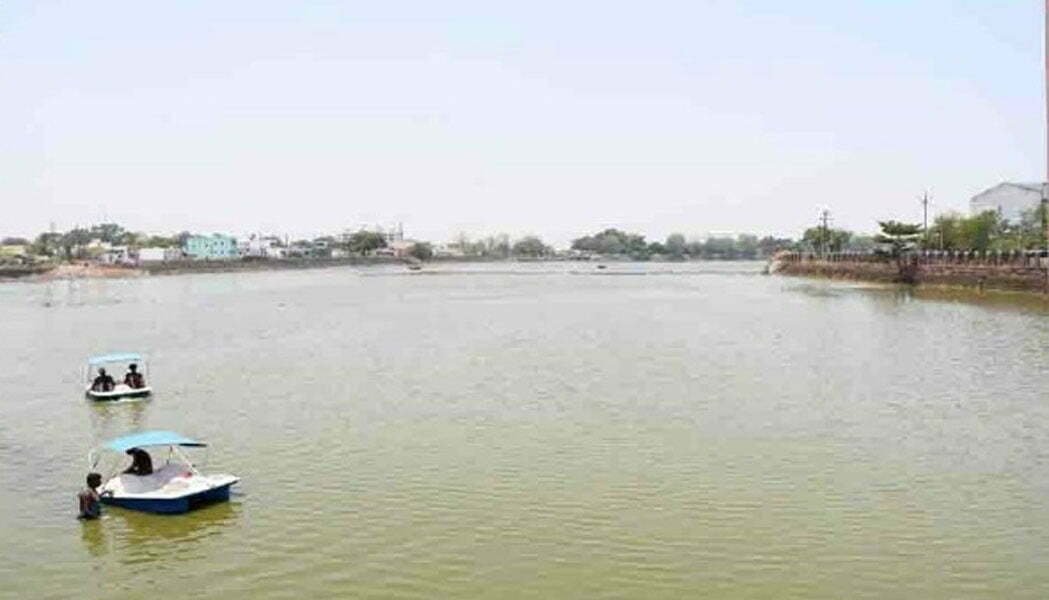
(120, 391)
(174, 487)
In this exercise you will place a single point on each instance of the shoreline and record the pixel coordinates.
(70, 271)
(992, 273)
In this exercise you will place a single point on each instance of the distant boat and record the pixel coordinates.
(175, 487)
(120, 390)
(602, 267)
(415, 267)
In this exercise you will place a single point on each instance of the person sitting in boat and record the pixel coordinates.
(133, 379)
(88, 498)
(103, 383)
(141, 463)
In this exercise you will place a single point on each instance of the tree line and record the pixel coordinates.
(983, 232)
(73, 244)
(614, 242)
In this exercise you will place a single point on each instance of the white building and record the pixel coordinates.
(115, 255)
(1009, 200)
(450, 250)
(261, 247)
(158, 254)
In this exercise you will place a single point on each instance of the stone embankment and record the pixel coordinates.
(1014, 271)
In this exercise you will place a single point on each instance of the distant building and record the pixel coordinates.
(450, 250)
(261, 247)
(14, 251)
(114, 255)
(158, 254)
(211, 247)
(398, 248)
(1009, 200)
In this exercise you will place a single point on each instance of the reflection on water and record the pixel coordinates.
(95, 537)
(142, 539)
(113, 419)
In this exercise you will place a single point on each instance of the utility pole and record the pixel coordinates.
(825, 228)
(925, 210)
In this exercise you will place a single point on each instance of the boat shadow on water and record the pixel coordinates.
(136, 537)
(109, 419)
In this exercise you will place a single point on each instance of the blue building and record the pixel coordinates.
(211, 247)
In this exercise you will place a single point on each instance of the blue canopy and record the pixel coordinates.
(114, 357)
(150, 438)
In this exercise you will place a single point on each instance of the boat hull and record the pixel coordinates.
(172, 506)
(116, 395)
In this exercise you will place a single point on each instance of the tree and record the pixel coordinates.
(769, 245)
(746, 246)
(14, 241)
(979, 231)
(110, 233)
(613, 242)
(985, 231)
(900, 237)
(462, 241)
(47, 244)
(676, 246)
(73, 241)
(421, 251)
(530, 246)
(365, 242)
(1029, 232)
(182, 237)
(830, 240)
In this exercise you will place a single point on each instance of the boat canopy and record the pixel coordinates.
(151, 438)
(114, 357)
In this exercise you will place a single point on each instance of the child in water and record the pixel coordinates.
(89, 499)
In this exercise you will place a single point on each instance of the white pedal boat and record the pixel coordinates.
(174, 486)
(120, 391)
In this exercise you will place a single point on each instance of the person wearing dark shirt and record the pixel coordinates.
(103, 383)
(88, 498)
(133, 379)
(141, 463)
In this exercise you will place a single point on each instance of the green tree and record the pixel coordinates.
(14, 241)
(613, 242)
(746, 246)
(979, 231)
(366, 242)
(831, 240)
(73, 242)
(676, 246)
(659, 248)
(531, 246)
(899, 237)
(47, 244)
(769, 245)
(111, 233)
(421, 250)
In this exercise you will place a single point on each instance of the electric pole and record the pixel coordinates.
(825, 229)
(925, 213)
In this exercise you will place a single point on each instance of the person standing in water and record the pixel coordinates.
(89, 499)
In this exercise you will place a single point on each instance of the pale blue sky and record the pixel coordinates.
(541, 117)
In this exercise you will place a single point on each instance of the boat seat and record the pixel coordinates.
(141, 484)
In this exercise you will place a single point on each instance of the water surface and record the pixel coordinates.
(537, 431)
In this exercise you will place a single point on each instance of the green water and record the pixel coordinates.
(537, 431)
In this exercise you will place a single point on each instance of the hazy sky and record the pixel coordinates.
(553, 118)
